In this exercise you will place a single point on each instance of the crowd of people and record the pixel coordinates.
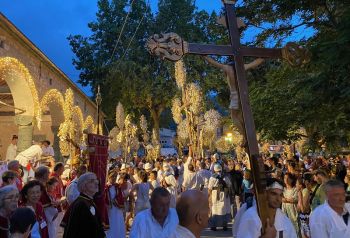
(172, 197)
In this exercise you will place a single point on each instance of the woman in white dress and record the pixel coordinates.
(142, 189)
(116, 203)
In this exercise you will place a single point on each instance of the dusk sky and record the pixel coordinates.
(47, 23)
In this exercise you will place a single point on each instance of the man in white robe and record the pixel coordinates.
(250, 224)
(205, 174)
(159, 221)
(193, 180)
(219, 199)
(12, 149)
(192, 209)
(331, 219)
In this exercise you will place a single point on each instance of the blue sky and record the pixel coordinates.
(47, 23)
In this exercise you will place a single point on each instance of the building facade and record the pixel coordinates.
(37, 100)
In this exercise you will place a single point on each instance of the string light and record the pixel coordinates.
(12, 67)
(89, 124)
(52, 96)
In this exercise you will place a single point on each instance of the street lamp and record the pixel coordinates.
(228, 137)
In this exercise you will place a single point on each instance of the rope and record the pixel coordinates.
(137, 28)
(121, 31)
(133, 36)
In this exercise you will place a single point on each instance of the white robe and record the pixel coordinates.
(326, 223)
(250, 225)
(145, 226)
(193, 181)
(221, 204)
(116, 219)
(11, 152)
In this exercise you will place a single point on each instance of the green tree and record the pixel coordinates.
(127, 73)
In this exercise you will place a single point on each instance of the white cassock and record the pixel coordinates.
(116, 219)
(146, 226)
(221, 204)
(193, 181)
(183, 232)
(326, 223)
(238, 217)
(250, 225)
(11, 152)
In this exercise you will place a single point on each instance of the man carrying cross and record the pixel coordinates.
(170, 46)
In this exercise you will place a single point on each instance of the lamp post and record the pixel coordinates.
(98, 100)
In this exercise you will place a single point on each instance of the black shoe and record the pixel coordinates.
(224, 228)
(213, 228)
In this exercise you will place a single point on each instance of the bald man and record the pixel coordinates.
(192, 209)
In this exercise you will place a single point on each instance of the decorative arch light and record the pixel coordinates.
(89, 124)
(12, 66)
(52, 96)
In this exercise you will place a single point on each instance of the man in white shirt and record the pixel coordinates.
(72, 191)
(205, 174)
(193, 180)
(331, 219)
(12, 149)
(159, 221)
(192, 208)
(47, 149)
(28, 159)
(277, 226)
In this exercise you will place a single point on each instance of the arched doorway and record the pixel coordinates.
(22, 96)
(52, 103)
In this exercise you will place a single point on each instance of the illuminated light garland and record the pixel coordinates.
(10, 66)
(176, 110)
(89, 124)
(52, 96)
(180, 73)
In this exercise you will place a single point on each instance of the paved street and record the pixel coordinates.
(219, 233)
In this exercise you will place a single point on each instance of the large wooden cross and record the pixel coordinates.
(170, 46)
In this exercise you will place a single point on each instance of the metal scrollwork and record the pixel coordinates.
(168, 46)
(295, 55)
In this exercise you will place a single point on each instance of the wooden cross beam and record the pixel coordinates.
(170, 46)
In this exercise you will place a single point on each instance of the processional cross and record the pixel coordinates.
(170, 46)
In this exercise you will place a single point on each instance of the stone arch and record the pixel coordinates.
(25, 97)
(54, 101)
(78, 124)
